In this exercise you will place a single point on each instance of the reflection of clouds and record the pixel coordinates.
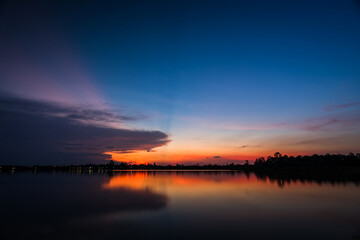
(60, 204)
(111, 205)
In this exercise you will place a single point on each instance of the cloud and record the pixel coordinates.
(34, 132)
(318, 141)
(244, 146)
(330, 108)
(334, 122)
(320, 124)
(216, 157)
(344, 121)
(80, 114)
(212, 160)
(230, 125)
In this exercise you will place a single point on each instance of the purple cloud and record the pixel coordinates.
(35, 132)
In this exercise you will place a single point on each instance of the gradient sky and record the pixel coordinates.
(208, 81)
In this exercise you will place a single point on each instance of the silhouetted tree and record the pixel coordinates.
(328, 160)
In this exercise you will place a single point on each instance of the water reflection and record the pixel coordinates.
(177, 205)
(59, 205)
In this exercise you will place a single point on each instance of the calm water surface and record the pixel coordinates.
(174, 205)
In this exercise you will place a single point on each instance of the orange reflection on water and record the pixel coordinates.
(230, 194)
(164, 181)
(131, 179)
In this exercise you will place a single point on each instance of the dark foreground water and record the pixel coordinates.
(174, 205)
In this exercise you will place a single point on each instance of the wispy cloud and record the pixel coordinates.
(232, 125)
(333, 121)
(328, 123)
(330, 108)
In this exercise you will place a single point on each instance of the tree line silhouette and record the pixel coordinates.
(314, 161)
(333, 168)
(278, 161)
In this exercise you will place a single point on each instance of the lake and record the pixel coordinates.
(175, 205)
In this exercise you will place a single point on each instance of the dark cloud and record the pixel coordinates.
(216, 157)
(212, 160)
(244, 146)
(43, 133)
(75, 113)
(126, 151)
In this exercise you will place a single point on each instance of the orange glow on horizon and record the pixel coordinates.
(201, 157)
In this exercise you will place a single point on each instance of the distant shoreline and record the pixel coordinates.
(281, 176)
(277, 162)
(150, 167)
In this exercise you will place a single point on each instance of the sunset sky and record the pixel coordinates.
(177, 81)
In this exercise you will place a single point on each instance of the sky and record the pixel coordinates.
(177, 81)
